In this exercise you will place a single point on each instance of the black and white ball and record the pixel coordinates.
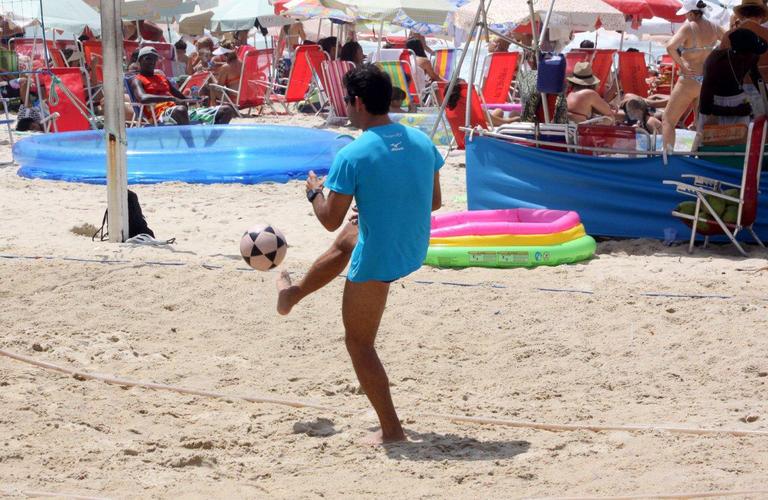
(263, 247)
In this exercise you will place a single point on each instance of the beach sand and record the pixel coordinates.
(604, 350)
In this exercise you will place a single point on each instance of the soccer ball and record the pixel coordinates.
(263, 247)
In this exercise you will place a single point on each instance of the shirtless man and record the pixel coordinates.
(392, 173)
(583, 100)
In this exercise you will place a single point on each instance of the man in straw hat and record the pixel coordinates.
(583, 101)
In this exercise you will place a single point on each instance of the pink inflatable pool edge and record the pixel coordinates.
(510, 221)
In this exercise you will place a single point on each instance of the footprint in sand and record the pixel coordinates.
(321, 427)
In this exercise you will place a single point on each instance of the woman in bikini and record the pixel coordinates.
(688, 48)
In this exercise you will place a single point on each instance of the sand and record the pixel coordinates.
(481, 342)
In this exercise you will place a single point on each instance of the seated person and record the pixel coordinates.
(498, 44)
(588, 44)
(204, 43)
(29, 119)
(423, 40)
(398, 96)
(329, 46)
(583, 101)
(422, 61)
(723, 100)
(352, 52)
(169, 105)
(181, 61)
(458, 101)
(634, 111)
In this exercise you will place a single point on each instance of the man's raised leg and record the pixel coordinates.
(327, 267)
(362, 308)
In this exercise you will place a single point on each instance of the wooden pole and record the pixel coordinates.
(114, 122)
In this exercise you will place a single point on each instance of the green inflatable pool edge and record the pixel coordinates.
(520, 256)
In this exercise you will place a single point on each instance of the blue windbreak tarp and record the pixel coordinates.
(619, 197)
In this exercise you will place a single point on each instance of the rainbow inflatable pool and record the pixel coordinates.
(520, 237)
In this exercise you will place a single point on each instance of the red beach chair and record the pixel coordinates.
(501, 71)
(254, 77)
(66, 104)
(632, 73)
(457, 116)
(307, 64)
(706, 221)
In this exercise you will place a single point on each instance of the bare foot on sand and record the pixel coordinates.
(377, 439)
(285, 300)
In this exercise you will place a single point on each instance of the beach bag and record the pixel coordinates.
(551, 73)
(137, 224)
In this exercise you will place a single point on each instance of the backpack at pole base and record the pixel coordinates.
(137, 224)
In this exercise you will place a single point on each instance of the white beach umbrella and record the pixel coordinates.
(581, 15)
(423, 11)
(235, 15)
(156, 10)
(71, 16)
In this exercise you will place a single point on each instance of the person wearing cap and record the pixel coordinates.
(723, 100)
(169, 104)
(750, 15)
(689, 47)
(583, 100)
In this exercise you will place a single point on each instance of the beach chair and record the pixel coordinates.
(398, 74)
(386, 55)
(64, 102)
(500, 70)
(93, 56)
(192, 85)
(34, 49)
(602, 63)
(705, 220)
(633, 71)
(332, 81)
(254, 82)
(618, 137)
(576, 56)
(444, 62)
(457, 116)
(7, 121)
(306, 65)
(143, 114)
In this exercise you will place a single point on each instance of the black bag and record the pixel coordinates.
(137, 224)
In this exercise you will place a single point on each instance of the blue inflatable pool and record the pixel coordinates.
(246, 154)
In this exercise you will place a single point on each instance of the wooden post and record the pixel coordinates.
(114, 121)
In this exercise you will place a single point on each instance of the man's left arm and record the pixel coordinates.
(331, 210)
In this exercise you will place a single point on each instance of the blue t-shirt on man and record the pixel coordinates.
(390, 171)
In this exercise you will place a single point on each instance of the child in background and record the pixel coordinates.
(396, 104)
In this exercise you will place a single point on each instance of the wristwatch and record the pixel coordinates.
(312, 194)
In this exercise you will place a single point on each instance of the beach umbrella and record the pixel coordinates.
(71, 16)
(666, 9)
(578, 15)
(313, 9)
(236, 15)
(424, 11)
(636, 9)
(156, 10)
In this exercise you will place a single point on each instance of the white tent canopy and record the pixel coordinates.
(581, 15)
(156, 10)
(70, 16)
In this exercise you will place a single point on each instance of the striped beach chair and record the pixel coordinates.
(397, 73)
(332, 82)
(444, 62)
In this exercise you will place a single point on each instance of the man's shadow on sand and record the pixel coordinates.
(422, 446)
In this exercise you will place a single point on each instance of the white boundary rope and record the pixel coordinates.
(109, 379)
(664, 496)
(46, 494)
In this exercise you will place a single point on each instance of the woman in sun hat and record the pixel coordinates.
(583, 101)
(689, 47)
